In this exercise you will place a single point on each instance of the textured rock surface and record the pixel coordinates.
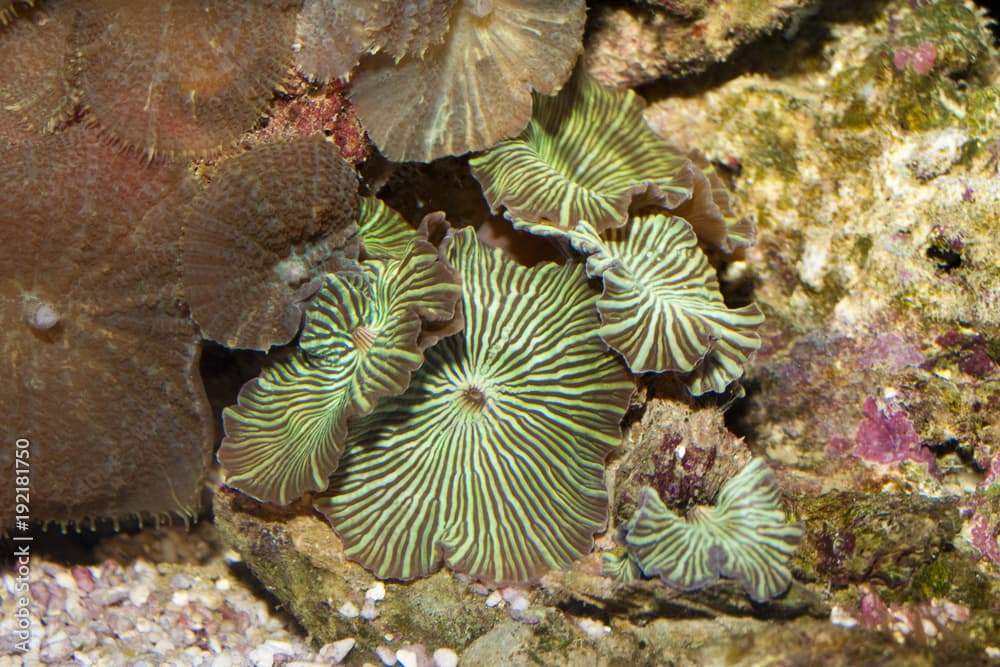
(632, 43)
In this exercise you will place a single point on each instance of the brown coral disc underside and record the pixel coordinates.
(332, 35)
(181, 77)
(99, 355)
(474, 89)
(259, 238)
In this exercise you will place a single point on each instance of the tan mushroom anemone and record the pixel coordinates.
(492, 461)
(711, 202)
(334, 34)
(180, 78)
(260, 237)
(361, 342)
(473, 89)
(99, 356)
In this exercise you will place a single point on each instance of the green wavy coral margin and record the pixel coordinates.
(661, 307)
(587, 154)
(492, 462)
(745, 536)
(383, 232)
(361, 341)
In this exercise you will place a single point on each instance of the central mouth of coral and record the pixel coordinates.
(475, 397)
(364, 338)
(698, 514)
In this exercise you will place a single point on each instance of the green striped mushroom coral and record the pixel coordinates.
(588, 169)
(361, 341)
(661, 307)
(492, 461)
(587, 154)
(745, 536)
(383, 232)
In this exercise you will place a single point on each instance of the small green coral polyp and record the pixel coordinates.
(745, 537)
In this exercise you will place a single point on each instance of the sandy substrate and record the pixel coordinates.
(164, 596)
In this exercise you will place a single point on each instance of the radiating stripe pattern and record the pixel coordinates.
(585, 155)
(472, 90)
(621, 566)
(360, 343)
(492, 462)
(384, 233)
(661, 307)
(744, 537)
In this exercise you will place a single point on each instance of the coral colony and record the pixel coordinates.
(437, 401)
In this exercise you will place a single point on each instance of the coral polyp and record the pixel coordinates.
(745, 536)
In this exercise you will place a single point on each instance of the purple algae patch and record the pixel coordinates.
(887, 436)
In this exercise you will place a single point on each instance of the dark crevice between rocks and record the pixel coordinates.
(992, 8)
(737, 417)
(796, 48)
(946, 259)
(223, 372)
(242, 573)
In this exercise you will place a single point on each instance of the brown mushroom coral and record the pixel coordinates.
(474, 89)
(181, 77)
(33, 91)
(8, 11)
(99, 355)
(334, 34)
(259, 238)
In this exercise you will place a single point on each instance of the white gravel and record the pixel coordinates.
(197, 614)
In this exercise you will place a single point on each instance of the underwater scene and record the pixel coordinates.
(427, 333)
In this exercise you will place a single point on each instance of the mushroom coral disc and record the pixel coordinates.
(745, 537)
(586, 155)
(492, 461)
(99, 355)
(361, 341)
(661, 308)
(334, 34)
(181, 77)
(474, 89)
(260, 237)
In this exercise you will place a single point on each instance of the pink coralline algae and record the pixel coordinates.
(973, 354)
(920, 58)
(986, 537)
(887, 437)
(921, 623)
(891, 351)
